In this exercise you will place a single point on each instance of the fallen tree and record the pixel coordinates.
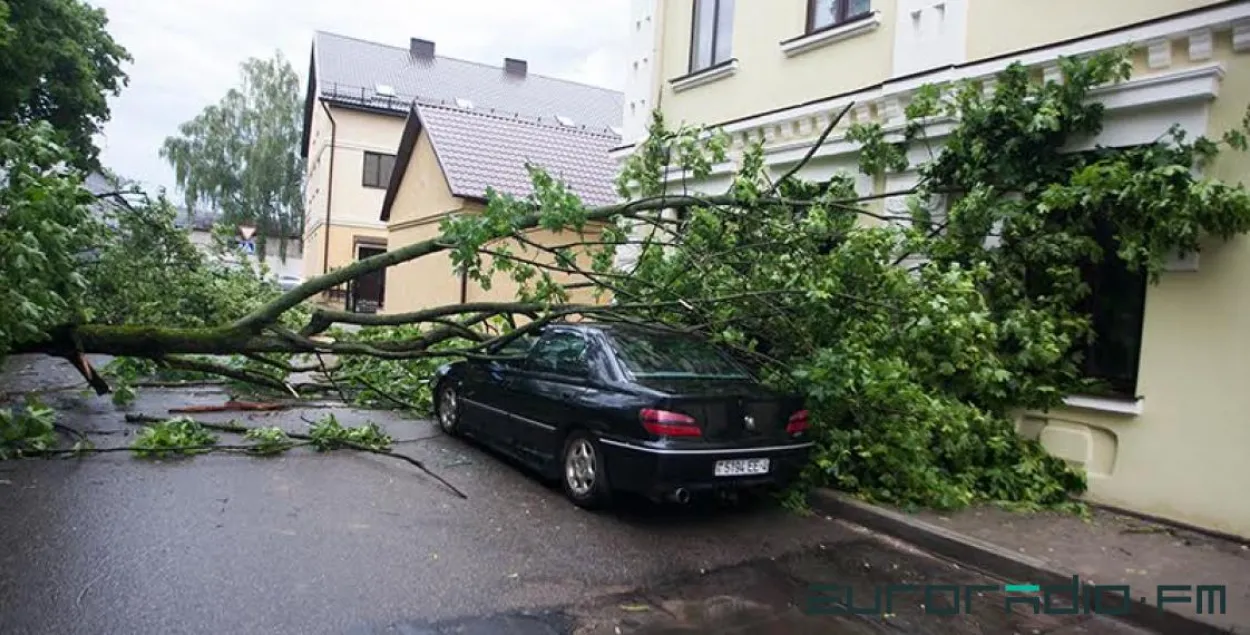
(914, 332)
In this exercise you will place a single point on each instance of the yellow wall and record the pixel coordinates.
(1002, 26)
(355, 208)
(503, 288)
(421, 202)
(766, 78)
(1185, 456)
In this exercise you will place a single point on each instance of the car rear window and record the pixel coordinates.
(659, 354)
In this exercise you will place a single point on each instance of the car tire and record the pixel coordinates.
(583, 472)
(447, 408)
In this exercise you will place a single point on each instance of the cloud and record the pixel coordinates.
(187, 53)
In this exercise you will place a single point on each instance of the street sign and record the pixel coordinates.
(247, 231)
(248, 247)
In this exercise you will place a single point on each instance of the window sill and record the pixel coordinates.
(704, 76)
(1122, 406)
(825, 37)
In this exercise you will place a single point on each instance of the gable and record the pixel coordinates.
(421, 190)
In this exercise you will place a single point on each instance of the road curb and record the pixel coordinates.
(997, 561)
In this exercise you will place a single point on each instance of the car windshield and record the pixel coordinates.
(661, 355)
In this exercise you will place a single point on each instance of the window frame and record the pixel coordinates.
(841, 19)
(716, 33)
(1094, 274)
(379, 158)
(529, 365)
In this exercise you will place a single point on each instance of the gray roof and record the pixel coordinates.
(477, 149)
(349, 70)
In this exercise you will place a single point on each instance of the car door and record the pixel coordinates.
(492, 391)
(549, 391)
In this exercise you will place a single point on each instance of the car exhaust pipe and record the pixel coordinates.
(680, 496)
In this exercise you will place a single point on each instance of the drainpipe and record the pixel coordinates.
(325, 251)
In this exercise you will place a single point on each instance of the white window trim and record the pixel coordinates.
(705, 76)
(826, 37)
(1133, 407)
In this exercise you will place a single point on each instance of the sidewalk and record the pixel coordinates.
(1049, 548)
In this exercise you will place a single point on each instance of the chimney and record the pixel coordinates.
(421, 49)
(514, 67)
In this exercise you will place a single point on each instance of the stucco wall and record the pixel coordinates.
(421, 202)
(355, 208)
(766, 78)
(343, 240)
(1184, 456)
(1001, 26)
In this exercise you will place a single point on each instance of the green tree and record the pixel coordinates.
(46, 231)
(59, 65)
(241, 156)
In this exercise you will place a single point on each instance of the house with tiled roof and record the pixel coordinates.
(449, 156)
(358, 105)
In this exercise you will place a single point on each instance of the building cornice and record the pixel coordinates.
(1196, 85)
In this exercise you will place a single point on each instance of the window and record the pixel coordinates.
(515, 351)
(823, 14)
(659, 354)
(1116, 305)
(378, 169)
(712, 33)
(562, 353)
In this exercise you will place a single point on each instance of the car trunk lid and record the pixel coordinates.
(727, 410)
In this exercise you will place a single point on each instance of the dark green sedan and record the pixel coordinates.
(609, 407)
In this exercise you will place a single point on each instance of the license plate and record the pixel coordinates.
(741, 467)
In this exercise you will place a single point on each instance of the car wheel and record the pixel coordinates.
(584, 475)
(448, 409)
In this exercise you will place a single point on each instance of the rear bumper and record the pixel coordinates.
(654, 471)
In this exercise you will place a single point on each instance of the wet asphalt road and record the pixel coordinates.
(351, 543)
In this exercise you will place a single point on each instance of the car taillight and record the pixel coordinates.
(663, 423)
(797, 423)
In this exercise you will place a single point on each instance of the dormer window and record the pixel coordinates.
(564, 121)
(461, 102)
(384, 90)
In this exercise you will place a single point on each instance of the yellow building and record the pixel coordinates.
(448, 157)
(1175, 445)
(359, 96)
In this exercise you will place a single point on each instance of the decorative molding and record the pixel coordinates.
(989, 86)
(862, 113)
(1201, 45)
(892, 111)
(1194, 83)
(705, 76)
(1184, 96)
(1241, 37)
(819, 39)
(1159, 54)
(1131, 407)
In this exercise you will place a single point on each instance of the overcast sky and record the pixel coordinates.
(187, 52)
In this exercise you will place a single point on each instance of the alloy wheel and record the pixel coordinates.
(447, 404)
(579, 467)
